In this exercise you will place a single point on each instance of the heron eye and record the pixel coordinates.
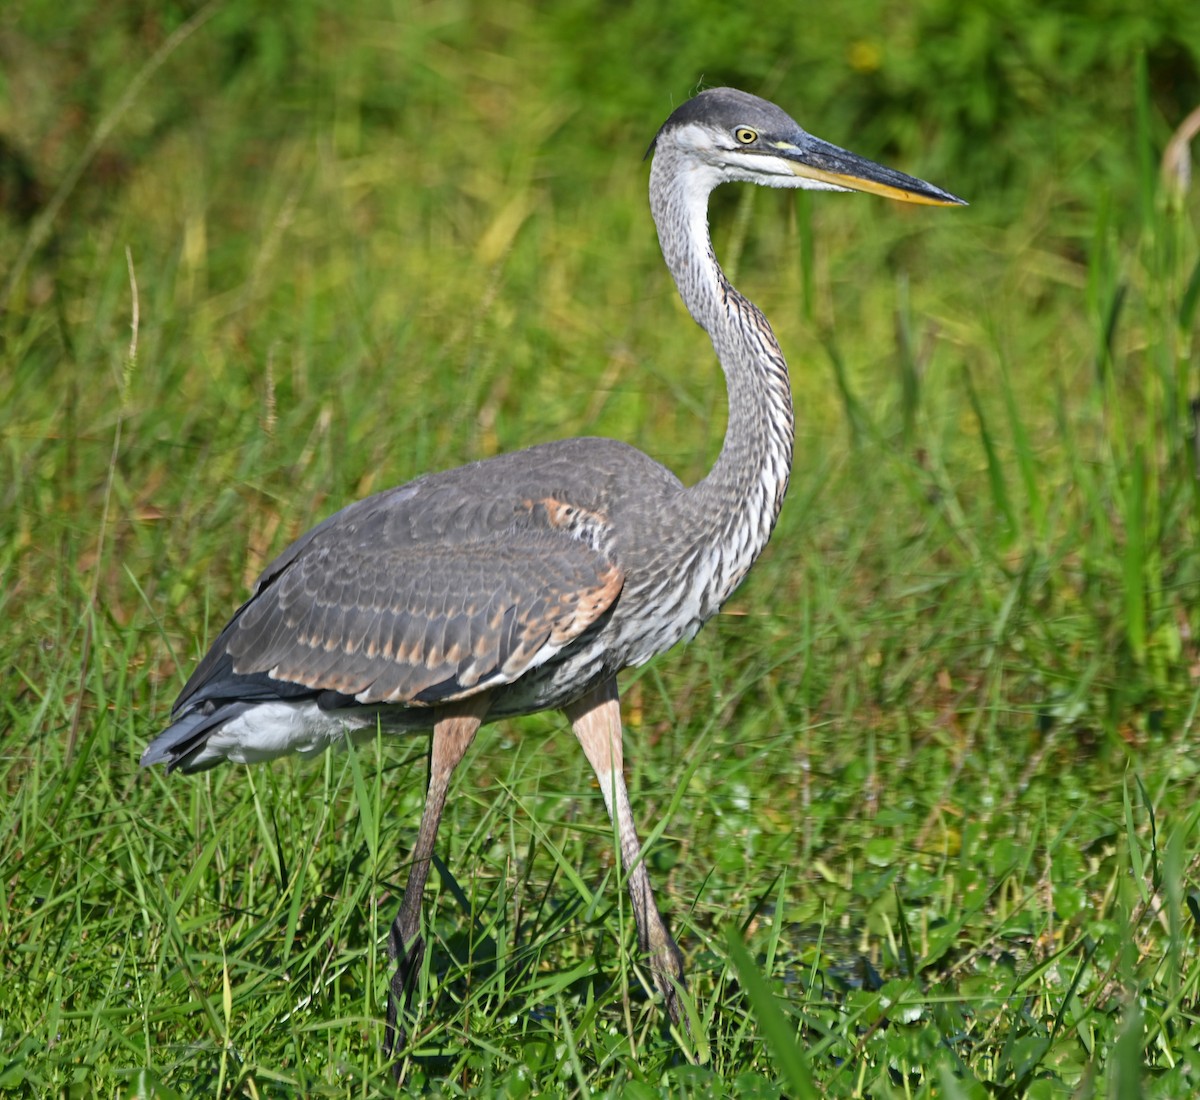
(745, 135)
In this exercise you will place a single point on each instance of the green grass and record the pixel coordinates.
(923, 799)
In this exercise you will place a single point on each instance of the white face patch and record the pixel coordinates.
(725, 158)
(692, 137)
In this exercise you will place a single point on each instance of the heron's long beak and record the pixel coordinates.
(815, 159)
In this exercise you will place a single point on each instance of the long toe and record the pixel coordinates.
(400, 990)
(395, 1035)
(667, 965)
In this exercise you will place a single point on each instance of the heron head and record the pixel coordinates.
(730, 135)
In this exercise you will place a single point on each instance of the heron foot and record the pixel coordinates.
(666, 964)
(400, 990)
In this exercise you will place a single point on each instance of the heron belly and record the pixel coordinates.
(267, 730)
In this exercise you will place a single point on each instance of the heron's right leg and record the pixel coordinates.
(453, 731)
(596, 720)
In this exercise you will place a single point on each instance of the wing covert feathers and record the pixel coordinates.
(423, 596)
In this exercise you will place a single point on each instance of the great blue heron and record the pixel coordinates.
(526, 582)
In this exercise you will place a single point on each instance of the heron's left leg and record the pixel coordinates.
(453, 731)
(596, 720)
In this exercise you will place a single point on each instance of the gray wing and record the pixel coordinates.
(430, 592)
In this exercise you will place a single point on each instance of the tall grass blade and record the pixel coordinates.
(1133, 594)
(1136, 860)
(1032, 478)
(777, 1033)
(910, 956)
(148, 1086)
(1146, 164)
(856, 416)
(1187, 302)
(1114, 303)
(997, 484)
(910, 377)
(366, 805)
(1173, 878)
(1155, 868)
(1126, 1063)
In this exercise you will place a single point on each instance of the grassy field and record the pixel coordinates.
(924, 799)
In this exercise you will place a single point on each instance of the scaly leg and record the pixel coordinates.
(453, 731)
(596, 720)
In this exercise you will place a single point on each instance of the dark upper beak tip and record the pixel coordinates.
(952, 200)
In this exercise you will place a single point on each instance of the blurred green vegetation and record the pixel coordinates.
(934, 764)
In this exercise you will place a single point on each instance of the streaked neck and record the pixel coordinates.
(737, 504)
